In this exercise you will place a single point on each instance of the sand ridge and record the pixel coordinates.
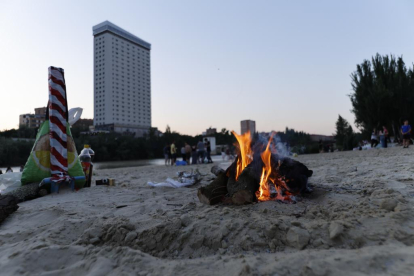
(358, 221)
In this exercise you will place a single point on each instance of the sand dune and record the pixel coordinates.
(358, 221)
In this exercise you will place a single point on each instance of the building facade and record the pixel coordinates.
(211, 131)
(33, 120)
(122, 80)
(248, 125)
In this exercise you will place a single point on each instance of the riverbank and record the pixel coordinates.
(358, 221)
(125, 164)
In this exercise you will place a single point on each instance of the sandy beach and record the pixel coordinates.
(358, 221)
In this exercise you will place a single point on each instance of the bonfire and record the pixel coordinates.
(259, 173)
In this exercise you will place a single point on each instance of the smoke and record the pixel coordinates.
(276, 146)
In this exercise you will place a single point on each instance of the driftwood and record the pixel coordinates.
(216, 170)
(29, 191)
(8, 205)
(215, 191)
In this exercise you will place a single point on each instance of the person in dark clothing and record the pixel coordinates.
(386, 136)
(167, 154)
(183, 155)
(208, 149)
(194, 155)
(374, 139)
(200, 151)
(406, 132)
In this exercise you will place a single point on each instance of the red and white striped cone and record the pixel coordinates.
(58, 116)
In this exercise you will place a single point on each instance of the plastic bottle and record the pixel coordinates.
(85, 154)
(91, 152)
(86, 161)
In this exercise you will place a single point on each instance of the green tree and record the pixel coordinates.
(383, 93)
(345, 137)
(342, 130)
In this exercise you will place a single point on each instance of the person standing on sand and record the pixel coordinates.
(173, 153)
(374, 138)
(194, 155)
(167, 154)
(386, 137)
(187, 153)
(200, 151)
(406, 132)
(208, 147)
(183, 153)
(381, 138)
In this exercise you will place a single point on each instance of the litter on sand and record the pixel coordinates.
(183, 179)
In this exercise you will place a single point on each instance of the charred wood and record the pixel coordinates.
(293, 173)
(215, 191)
(216, 170)
(243, 190)
(8, 205)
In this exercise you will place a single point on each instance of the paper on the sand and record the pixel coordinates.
(169, 182)
(10, 182)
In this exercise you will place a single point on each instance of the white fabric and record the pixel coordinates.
(169, 182)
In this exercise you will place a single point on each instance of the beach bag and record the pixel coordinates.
(38, 164)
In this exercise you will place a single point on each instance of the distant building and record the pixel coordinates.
(211, 131)
(248, 125)
(83, 124)
(324, 138)
(41, 111)
(122, 80)
(33, 120)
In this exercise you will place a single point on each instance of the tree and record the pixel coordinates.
(224, 131)
(342, 130)
(383, 93)
(345, 137)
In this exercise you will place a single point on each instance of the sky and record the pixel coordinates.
(213, 63)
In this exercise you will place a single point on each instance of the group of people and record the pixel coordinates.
(226, 154)
(382, 136)
(197, 154)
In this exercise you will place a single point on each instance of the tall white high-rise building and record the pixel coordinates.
(122, 80)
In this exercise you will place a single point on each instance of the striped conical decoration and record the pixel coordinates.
(58, 117)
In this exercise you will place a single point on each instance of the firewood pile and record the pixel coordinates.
(257, 174)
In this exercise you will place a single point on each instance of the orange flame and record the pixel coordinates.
(270, 183)
(246, 154)
(263, 193)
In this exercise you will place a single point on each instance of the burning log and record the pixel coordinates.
(8, 205)
(215, 191)
(243, 191)
(216, 170)
(258, 174)
(292, 173)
